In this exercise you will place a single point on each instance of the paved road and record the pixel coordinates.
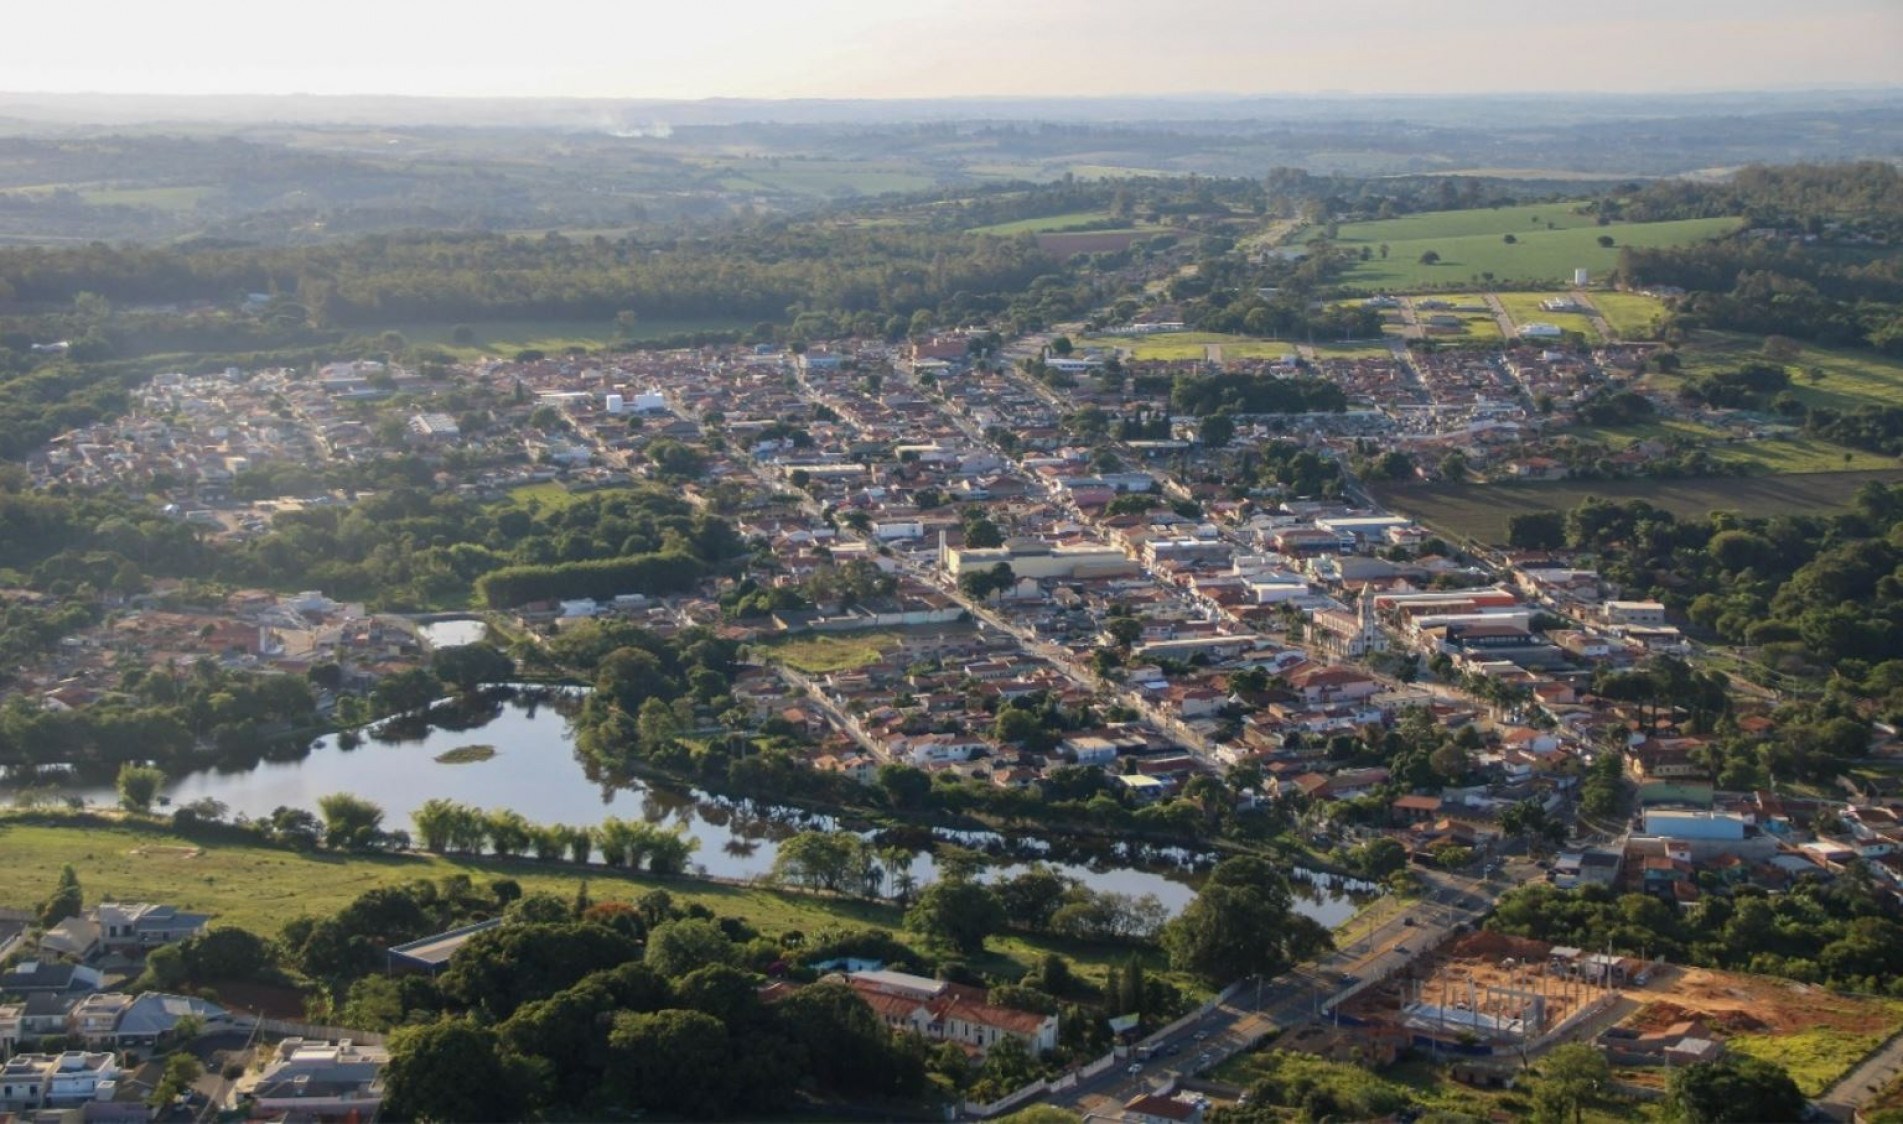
(1594, 317)
(1507, 327)
(1861, 1084)
(1299, 995)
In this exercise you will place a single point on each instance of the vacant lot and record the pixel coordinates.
(1630, 315)
(1061, 246)
(1479, 512)
(1193, 345)
(1818, 1035)
(822, 655)
(1524, 309)
(506, 337)
(1472, 244)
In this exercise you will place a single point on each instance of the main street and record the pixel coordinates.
(1303, 994)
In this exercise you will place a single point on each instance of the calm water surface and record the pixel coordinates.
(535, 772)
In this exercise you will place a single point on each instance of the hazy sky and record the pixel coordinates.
(927, 48)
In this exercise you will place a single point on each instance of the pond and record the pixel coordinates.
(533, 770)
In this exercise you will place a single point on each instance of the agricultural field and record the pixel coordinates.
(1479, 512)
(263, 888)
(822, 655)
(1524, 308)
(1632, 316)
(506, 337)
(1472, 244)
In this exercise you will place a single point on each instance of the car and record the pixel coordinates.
(1408, 921)
(1133, 1068)
(1402, 949)
(1348, 979)
(1201, 1034)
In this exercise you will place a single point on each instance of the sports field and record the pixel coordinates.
(552, 337)
(1632, 316)
(1192, 345)
(1472, 244)
(1479, 512)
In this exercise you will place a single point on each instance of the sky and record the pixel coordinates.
(946, 48)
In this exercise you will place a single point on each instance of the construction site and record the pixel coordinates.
(1487, 994)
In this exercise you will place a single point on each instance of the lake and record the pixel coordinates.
(534, 771)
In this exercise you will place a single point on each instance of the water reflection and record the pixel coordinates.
(535, 772)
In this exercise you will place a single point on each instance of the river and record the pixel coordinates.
(535, 772)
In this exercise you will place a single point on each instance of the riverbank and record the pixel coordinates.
(262, 888)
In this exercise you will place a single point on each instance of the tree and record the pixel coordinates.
(181, 1071)
(1537, 530)
(1510, 239)
(1735, 1088)
(679, 947)
(1605, 241)
(452, 1070)
(1243, 923)
(1218, 429)
(1430, 257)
(138, 786)
(672, 1061)
(351, 823)
(956, 912)
(469, 667)
(1570, 1076)
(65, 900)
(823, 860)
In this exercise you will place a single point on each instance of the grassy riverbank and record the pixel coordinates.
(262, 888)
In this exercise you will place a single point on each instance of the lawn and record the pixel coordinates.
(1524, 309)
(821, 655)
(1479, 512)
(546, 497)
(1472, 244)
(1631, 316)
(1803, 455)
(263, 888)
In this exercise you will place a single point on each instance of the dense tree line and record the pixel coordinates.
(1244, 393)
(1843, 933)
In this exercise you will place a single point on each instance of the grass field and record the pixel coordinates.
(1472, 243)
(1192, 345)
(1816, 1058)
(1524, 309)
(822, 655)
(547, 497)
(262, 889)
(1630, 315)
(1480, 511)
(1849, 378)
(506, 337)
(1796, 455)
(1046, 224)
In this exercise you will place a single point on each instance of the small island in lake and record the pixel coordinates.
(464, 754)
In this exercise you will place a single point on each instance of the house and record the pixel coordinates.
(318, 1079)
(112, 1019)
(1633, 613)
(141, 925)
(42, 976)
(29, 1082)
(1329, 684)
(949, 1012)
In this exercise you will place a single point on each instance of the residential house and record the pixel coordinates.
(42, 976)
(950, 1012)
(29, 1082)
(1155, 1108)
(318, 1079)
(140, 925)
